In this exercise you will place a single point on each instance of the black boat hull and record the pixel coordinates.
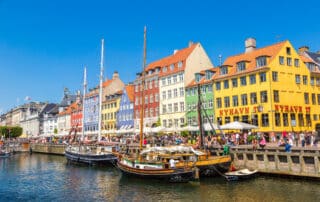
(91, 159)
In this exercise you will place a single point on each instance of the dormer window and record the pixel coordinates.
(198, 77)
(223, 70)
(208, 75)
(180, 65)
(311, 66)
(288, 51)
(164, 69)
(241, 66)
(171, 67)
(261, 61)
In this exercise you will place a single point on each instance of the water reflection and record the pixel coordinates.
(39, 177)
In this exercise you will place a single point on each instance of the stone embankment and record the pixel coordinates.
(299, 162)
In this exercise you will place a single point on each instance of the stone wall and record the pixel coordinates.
(48, 148)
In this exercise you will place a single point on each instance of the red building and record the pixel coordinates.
(76, 116)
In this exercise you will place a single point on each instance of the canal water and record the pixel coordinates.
(39, 177)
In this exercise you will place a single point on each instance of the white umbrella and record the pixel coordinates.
(237, 125)
(157, 129)
(189, 128)
(207, 126)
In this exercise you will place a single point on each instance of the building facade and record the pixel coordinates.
(125, 114)
(258, 86)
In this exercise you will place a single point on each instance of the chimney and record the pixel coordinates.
(250, 45)
(190, 43)
(175, 51)
(303, 49)
(115, 75)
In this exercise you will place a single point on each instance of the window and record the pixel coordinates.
(297, 78)
(218, 85)
(175, 107)
(181, 121)
(180, 65)
(244, 99)
(146, 100)
(289, 61)
(164, 95)
(181, 77)
(181, 91)
(164, 69)
(175, 79)
(175, 92)
(288, 51)
(301, 120)
(276, 96)
(241, 66)
(313, 98)
(151, 98)
(293, 118)
(208, 75)
(181, 106)
(226, 84)
(263, 96)
(169, 80)
(263, 77)
(223, 70)
(312, 81)
(277, 119)
(157, 98)
(163, 81)
(243, 81)
(169, 94)
(210, 103)
(305, 79)
(226, 102)
(265, 120)
(252, 78)
(235, 102)
(210, 88)
(234, 82)
(281, 60)
(253, 98)
(274, 76)
(318, 98)
(171, 67)
(169, 108)
(219, 103)
(151, 112)
(261, 61)
(164, 123)
(285, 119)
(296, 63)
(318, 81)
(306, 98)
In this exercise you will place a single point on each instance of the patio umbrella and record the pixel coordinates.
(237, 125)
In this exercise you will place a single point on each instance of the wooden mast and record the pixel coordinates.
(100, 91)
(83, 100)
(200, 119)
(142, 83)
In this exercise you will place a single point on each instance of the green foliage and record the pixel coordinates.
(184, 133)
(55, 131)
(9, 131)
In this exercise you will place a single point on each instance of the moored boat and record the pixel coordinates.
(4, 153)
(240, 174)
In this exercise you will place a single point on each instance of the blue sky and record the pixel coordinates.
(44, 45)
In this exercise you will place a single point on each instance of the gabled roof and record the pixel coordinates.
(130, 92)
(269, 51)
(314, 56)
(180, 55)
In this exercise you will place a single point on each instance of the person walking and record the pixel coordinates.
(302, 139)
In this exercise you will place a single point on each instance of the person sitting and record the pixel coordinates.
(287, 147)
(262, 142)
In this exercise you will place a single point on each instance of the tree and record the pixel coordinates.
(10, 131)
(55, 131)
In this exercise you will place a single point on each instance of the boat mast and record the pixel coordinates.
(83, 99)
(100, 91)
(142, 83)
(200, 119)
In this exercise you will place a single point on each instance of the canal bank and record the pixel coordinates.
(48, 148)
(299, 162)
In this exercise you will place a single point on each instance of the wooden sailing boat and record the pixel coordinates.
(157, 164)
(91, 154)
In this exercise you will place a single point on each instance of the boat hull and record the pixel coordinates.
(243, 174)
(91, 159)
(170, 175)
(4, 154)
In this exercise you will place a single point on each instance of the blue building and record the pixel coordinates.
(91, 112)
(125, 114)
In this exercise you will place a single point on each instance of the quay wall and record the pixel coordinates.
(48, 148)
(300, 162)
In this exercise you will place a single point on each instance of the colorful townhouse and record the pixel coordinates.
(125, 114)
(112, 91)
(270, 87)
(203, 82)
(76, 116)
(150, 93)
(176, 72)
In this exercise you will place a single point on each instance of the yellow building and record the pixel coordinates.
(270, 87)
(110, 108)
